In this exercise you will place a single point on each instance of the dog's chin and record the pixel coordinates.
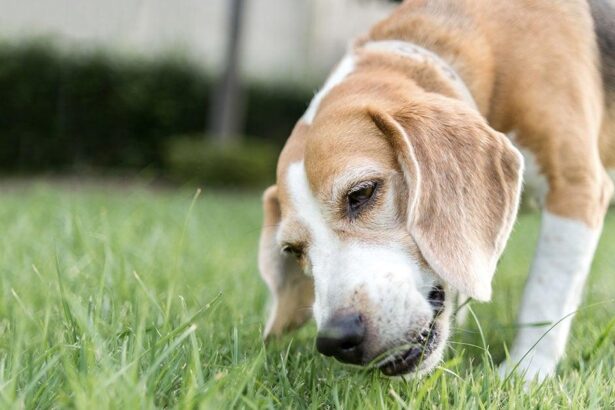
(425, 352)
(427, 365)
(417, 360)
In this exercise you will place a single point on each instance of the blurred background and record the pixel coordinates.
(185, 91)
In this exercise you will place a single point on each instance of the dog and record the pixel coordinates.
(399, 186)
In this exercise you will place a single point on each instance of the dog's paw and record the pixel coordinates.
(533, 367)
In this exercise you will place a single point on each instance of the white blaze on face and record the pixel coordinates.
(393, 284)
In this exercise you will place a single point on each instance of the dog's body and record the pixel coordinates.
(395, 188)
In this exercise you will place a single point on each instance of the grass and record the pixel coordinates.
(129, 298)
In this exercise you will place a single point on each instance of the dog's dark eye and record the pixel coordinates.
(294, 250)
(360, 195)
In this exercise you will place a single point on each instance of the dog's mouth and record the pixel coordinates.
(410, 360)
(436, 299)
(421, 347)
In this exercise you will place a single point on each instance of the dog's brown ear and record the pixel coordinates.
(464, 180)
(292, 292)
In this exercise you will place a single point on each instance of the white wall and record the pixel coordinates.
(284, 40)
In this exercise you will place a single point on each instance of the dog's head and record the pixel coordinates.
(379, 215)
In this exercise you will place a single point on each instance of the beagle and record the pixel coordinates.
(398, 188)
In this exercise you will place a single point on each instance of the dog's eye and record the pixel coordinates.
(294, 250)
(360, 195)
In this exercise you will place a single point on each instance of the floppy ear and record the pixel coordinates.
(464, 180)
(292, 292)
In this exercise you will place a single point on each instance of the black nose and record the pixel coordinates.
(342, 338)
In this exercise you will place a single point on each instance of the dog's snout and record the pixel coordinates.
(342, 338)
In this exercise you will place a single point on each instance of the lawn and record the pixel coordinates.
(133, 298)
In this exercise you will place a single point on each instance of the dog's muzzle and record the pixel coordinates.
(343, 338)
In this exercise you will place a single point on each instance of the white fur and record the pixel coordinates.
(553, 291)
(535, 184)
(611, 173)
(345, 67)
(392, 281)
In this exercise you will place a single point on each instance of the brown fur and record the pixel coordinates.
(516, 81)
(467, 188)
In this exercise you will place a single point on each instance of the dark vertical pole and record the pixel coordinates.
(226, 112)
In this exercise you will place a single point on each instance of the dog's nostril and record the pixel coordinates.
(342, 338)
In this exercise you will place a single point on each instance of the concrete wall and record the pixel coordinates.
(284, 40)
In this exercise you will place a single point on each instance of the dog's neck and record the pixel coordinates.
(419, 65)
(422, 55)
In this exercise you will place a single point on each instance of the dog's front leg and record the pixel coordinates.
(571, 224)
(552, 294)
(576, 203)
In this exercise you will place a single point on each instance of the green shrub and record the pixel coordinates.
(61, 111)
(247, 164)
(71, 111)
